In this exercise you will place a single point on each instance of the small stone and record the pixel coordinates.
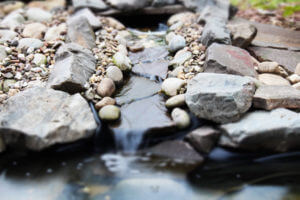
(7, 84)
(136, 47)
(176, 26)
(176, 43)
(13, 20)
(115, 23)
(181, 118)
(184, 17)
(34, 30)
(169, 36)
(294, 78)
(89, 15)
(176, 101)
(106, 87)
(55, 32)
(122, 49)
(171, 86)
(271, 67)
(122, 61)
(242, 34)
(175, 73)
(115, 74)
(297, 86)
(38, 15)
(30, 43)
(104, 102)
(3, 53)
(297, 70)
(39, 59)
(181, 57)
(7, 35)
(272, 79)
(109, 113)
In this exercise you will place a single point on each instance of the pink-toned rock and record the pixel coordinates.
(272, 79)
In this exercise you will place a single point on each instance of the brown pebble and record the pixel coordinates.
(104, 102)
(106, 87)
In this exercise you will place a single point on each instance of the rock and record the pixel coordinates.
(272, 79)
(281, 123)
(48, 5)
(33, 43)
(3, 53)
(242, 34)
(149, 55)
(54, 33)
(34, 30)
(287, 59)
(122, 61)
(128, 5)
(297, 70)
(109, 113)
(104, 102)
(203, 139)
(297, 86)
(215, 32)
(228, 59)
(269, 97)
(7, 84)
(271, 67)
(159, 3)
(169, 36)
(220, 98)
(72, 69)
(137, 88)
(294, 78)
(176, 26)
(181, 57)
(176, 72)
(2, 145)
(176, 101)
(115, 74)
(92, 19)
(184, 17)
(13, 20)
(171, 86)
(38, 15)
(97, 5)
(115, 23)
(106, 88)
(122, 49)
(7, 35)
(181, 118)
(157, 68)
(10, 6)
(38, 118)
(136, 47)
(80, 32)
(39, 59)
(176, 43)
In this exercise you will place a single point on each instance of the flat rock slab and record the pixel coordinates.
(221, 98)
(149, 55)
(278, 131)
(38, 118)
(270, 97)
(228, 59)
(285, 58)
(158, 68)
(97, 5)
(137, 88)
(73, 67)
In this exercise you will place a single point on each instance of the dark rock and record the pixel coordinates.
(242, 34)
(215, 32)
(149, 55)
(38, 118)
(276, 131)
(80, 32)
(270, 97)
(157, 68)
(73, 67)
(228, 59)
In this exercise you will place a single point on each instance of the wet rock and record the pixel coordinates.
(242, 34)
(106, 88)
(104, 102)
(39, 59)
(33, 43)
(38, 15)
(97, 5)
(3, 53)
(181, 118)
(38, 118)
(128, 5)
(149, 55)
(270, 97)
(72, 69)
(80, 32)
(221, 98)
(92, 19)
(7, 35)
(54, 33)
(180, 57)
(176, 43)
(122, 61)
(12, 20)
(115, 74)
(272, 79)
(157, 68)
(176, 101)
(177, 150)
(228, 59)
(109, 113)
(285, 58)
(34, 30)
(171, 86)
(137, 88)
(271, 67)
(277, 131)
(203, 139)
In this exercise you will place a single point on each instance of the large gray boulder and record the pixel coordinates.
(38, 118)
(219, 97)
(278, 130)
(73, 67)
(228, 59)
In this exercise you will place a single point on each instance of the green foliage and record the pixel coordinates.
(289, 6)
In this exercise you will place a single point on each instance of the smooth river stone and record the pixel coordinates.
(137, 88)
